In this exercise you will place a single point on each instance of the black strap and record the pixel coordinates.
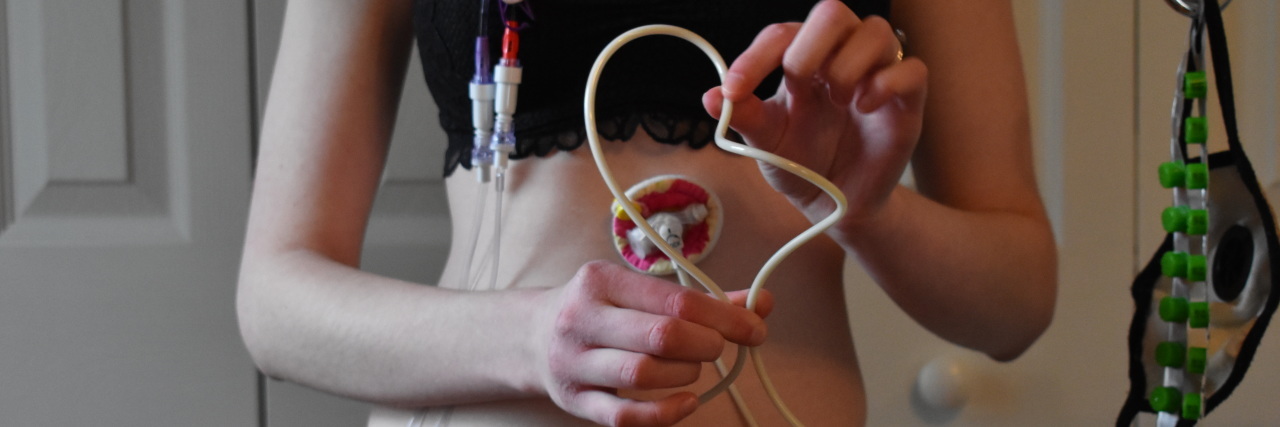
(1222, 73)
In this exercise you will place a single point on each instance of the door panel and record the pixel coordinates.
(89, 148)
(125, 186)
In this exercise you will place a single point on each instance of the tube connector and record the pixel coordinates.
(481, 162)
(507, 77)
(669, 225)
(482, 95)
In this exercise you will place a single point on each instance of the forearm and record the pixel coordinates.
(308, 319)
(982, 279)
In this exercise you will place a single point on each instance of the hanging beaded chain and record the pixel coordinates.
(1183, 353)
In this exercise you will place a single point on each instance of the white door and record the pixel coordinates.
(124, 181)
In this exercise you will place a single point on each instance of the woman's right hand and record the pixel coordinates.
(611, 328)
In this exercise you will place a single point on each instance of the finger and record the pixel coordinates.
(762, 57)
(906, 81)
(872, 46)
(613, 368)
(608, 409)
(647, 333)
(764, 301)
(827, 27)
(750, 118)
(664, 298)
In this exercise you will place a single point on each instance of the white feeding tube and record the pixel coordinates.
(737, 148)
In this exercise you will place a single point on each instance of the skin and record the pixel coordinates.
(574, 338)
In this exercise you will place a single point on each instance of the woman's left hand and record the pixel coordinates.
(849, 107)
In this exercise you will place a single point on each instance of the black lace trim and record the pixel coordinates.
(665, 128)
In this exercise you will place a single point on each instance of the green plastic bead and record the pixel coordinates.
(1174, 264)
(1195, 130)
(1191, 406)
(1197, 359)
(1195, 85)
(1197, 268)
(1197, 176)
(1171, 354)
(1197, 222)
(1173, 310)
(1174, 219)
(1165, 399)
(1172, 174)
(1198, 314)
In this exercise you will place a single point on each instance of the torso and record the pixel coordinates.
(557, 218)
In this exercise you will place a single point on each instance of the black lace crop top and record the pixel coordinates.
(654, 82)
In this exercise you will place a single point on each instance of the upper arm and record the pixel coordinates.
(975, 150)
(329, 116)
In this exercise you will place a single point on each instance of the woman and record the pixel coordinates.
(574, 337)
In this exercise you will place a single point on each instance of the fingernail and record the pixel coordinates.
(690, 405)
(730, 86)
(725, 93)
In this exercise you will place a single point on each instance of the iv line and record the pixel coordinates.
(737, 148)
(738, 401)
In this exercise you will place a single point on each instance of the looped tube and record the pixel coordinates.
(724, 143)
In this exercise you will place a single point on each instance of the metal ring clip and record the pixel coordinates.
(1190, 7)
